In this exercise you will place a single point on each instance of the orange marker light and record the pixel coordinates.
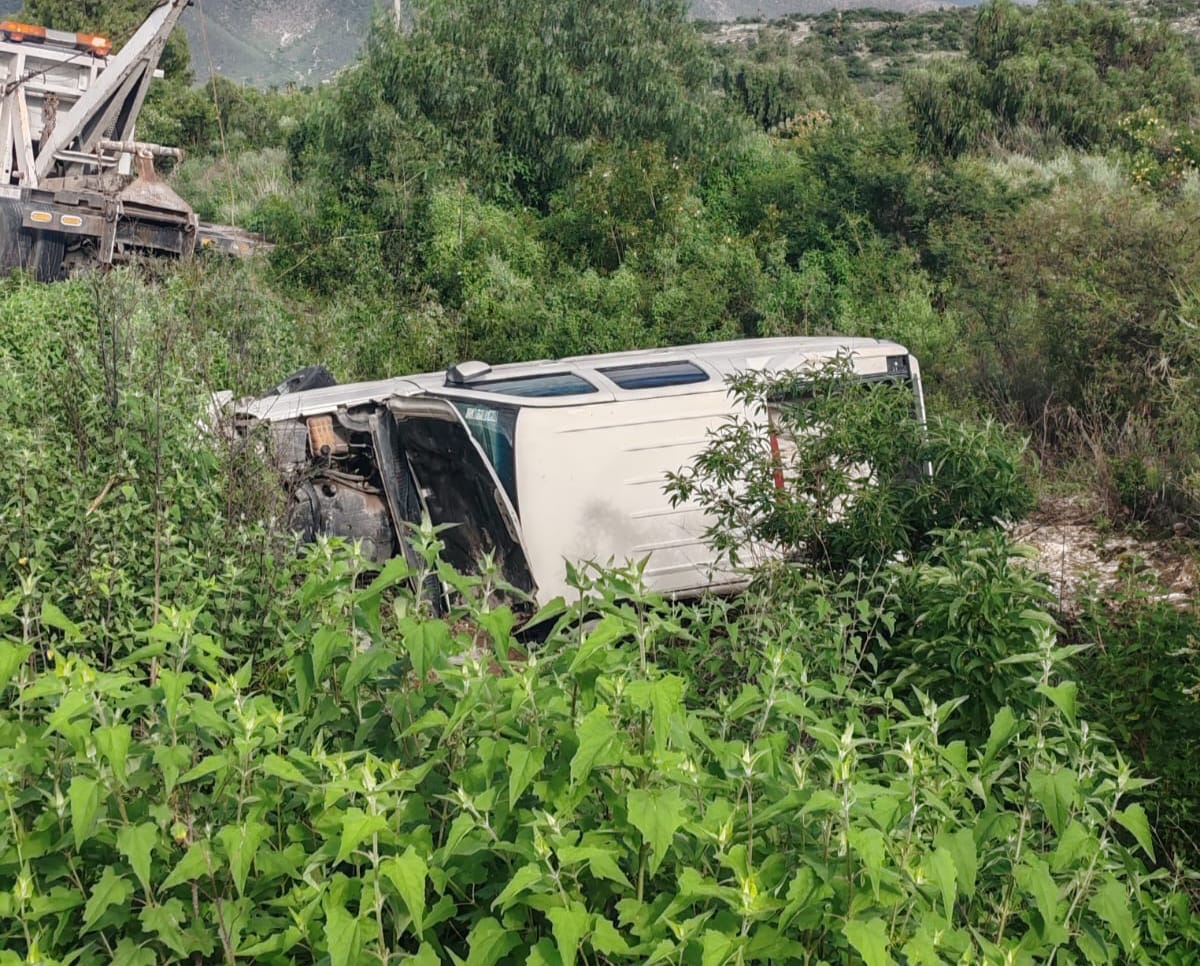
(21, 31)
(100, 46)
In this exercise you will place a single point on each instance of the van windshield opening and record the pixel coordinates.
(494, 429)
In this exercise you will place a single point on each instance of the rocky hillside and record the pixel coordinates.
(727, 10)
(275, 42)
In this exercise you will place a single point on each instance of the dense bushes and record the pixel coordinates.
(1061, 75)
(1143, 645)
(355, 791)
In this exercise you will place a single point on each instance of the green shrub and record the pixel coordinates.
(967, 611)
(1141, 673)
(859, 479)
(376, 784)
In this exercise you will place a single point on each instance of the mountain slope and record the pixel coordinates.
(267, 42)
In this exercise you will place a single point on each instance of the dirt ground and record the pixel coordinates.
(1077, 555)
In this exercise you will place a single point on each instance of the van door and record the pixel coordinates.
(460, 488)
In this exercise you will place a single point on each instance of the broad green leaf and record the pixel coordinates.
(394, 571)
(328, 642)
(715, 948)
(196, 861)
(921, 950)
(944, 874)
(543, 953)
(569, 927)
(1076, 844)
(1111, 903)
(240, 844)
(522, 879)
(84, 794)
(53, 617)
(596, 735)
(1034, 878)
(1093, 946)
(74, 704)
(166, 922)
(173, 684)
(663, 698)
(113, 742)
(598, 642)
(279, 767)
(1004, 726)
(657, 814)
(407, 873)
(135, 842)
(600, 861)
(524, 763)
(210, 765)
(1063, 695)
(870, 846)
(364, 666)
(427, 643)
(129, 953)
(357, 827)
(12, 656)
(58, 899)
(111, 890)
(606, 940)
(489, 942)
(1055, 792)
(870, 939)
(1134, 820)
(172, 759)
(342, 937)
(961, 846)
(425, 956)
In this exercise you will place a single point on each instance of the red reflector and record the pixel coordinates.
(776, 461)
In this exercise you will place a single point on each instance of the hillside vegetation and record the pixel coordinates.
(218, 747)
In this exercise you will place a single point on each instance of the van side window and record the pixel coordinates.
(656, 375)
(536, 387)
(494, 429)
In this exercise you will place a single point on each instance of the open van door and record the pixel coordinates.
(459, 487)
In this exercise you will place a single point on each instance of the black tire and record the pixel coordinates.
(310, 377)
(46, 253)
(38, 252)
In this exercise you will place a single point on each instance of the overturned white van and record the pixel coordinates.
(536, 463)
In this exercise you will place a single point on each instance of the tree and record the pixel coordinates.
(515, 94)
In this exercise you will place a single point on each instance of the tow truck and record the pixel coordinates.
(78, 190)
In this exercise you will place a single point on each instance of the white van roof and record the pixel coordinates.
(718, 358)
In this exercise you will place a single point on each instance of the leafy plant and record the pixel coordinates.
(1141, 675)
(826, 469)
(382, 784)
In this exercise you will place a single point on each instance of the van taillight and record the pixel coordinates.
(776, 461)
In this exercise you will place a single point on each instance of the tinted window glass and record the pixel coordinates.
(494, 428)
(531, 387)
(655, 375)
